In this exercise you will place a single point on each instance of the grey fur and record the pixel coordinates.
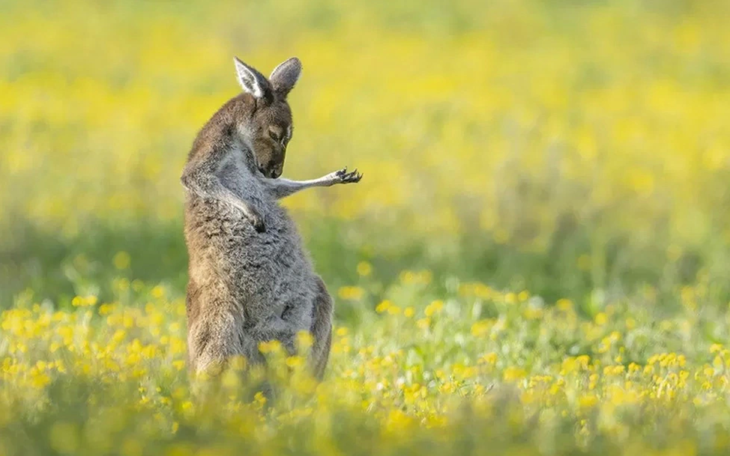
(285, 76)
(250, 279)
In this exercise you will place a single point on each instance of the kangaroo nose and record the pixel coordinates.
(276, 172)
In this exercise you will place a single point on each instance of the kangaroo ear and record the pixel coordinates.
(285, 76)
(250, 79)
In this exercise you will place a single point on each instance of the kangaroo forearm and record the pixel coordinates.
(281, 188)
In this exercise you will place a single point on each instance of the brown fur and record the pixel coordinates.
(250, 279)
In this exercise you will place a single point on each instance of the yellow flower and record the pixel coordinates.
(423, 323)
(82, 301)
(434, 308)
(489, 358)
(587, 401)
(158, 292)
(383, 306)
(273, 346)
(394, 310)
(481, 328)
(513, 374)
(364, 268)
(351, 293)
(294, 361)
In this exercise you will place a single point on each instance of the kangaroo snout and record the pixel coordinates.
(272, 171)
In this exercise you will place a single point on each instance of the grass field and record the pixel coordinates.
(537, 260)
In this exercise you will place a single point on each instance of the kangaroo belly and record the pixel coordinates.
(263, 273)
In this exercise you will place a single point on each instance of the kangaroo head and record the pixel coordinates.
(268, 129)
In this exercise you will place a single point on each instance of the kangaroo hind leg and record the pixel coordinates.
(214, 338)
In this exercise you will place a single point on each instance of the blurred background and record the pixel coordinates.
(570, 148)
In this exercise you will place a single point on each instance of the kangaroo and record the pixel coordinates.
(250, 279)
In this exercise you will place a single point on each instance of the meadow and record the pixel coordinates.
(537, 260)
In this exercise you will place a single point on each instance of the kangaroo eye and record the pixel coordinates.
(273, 135)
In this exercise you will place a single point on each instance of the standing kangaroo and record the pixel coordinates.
(250, 279)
